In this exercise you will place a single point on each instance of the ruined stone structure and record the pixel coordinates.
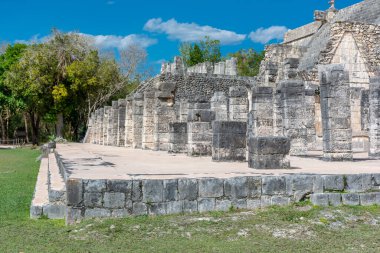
(317, 89)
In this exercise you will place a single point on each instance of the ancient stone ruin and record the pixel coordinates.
(319, 90)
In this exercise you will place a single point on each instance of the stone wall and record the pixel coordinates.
(123, 198)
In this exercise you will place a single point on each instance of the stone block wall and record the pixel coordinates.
(261, 117)
(178, 137)
(148, 120)
(137, 120)
(238, 103)
(123, 198)
(128, 123)
(219, 104)
(121, 123)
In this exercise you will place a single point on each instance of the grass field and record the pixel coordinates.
(299, 228)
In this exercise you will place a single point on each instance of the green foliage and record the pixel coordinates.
(205, 50)
(248, 61)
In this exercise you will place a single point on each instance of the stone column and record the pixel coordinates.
(107, 111)
(374, 112)
(100, 125)
(336, 113)
(137, 120)
(114, 123)
(178, 137)
(294, 115)
(90, 129)
(164, 114)
(199, 129)
(148, 121)
(260, 120)
(183, 108)
(238, 104)
(311, 134)
(229, 141)
(121, 123)
(219, 104)
(128, 122)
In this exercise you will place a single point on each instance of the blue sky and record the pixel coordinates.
(159, 25)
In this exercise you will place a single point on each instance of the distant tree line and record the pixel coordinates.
(248, 60)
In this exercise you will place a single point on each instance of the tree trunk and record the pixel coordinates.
(35, 123)
(59, 125)
(2, 123)
(26, 128)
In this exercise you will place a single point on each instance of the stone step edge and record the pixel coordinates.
(349, 199)
(56, 184)
(40, 195)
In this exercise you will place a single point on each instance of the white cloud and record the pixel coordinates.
(264, 35)
(103, 41)
(120, 42)
(188, 32)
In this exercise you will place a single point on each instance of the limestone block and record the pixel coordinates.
(229, 141)
(280, 201)
(99, 185)
(359, 182)
(254, 187)
(137, 190)
(124, 186)
(187, 189)
(114, 200)
(319, 199)
(253, 203)
(139, 208)
(190, 206)
(157, 208)
(153, 191)
(73, 215)
(97, 213)
(239, 203)
(170, 190)
(178, 137)
(368, 199)
(120, 213)
(350, 199)
(74, 189)
(210, 187)
(206, 205)
(335, 199)
(174, 207)
(93, 199)
(273, 185)
(54, 211)
(223, 205)
(333, 182)
(236, 188)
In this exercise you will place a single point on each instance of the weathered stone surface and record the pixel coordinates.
(319, 199)
(73, 215)
(253, 203)
(153, 191)
(335, 199)
(170, 190)
(120, 186)
(254, 187)
(139, 208)
(239, 203)
(280, 201)
(358, 183)
(223, 205)
(273, 185)
(97, 213)
(236, 188)
(93, 199)
(211, 188)
(137, 190)
(54, 211)
(187, 189)
(157, 208)
(351, 199)
(190, 206)
(368, 199)
(114, 200)
(120, 213)
(206, 204)
(74, 188)
(95, 185)
(174, 207)
(333, 182)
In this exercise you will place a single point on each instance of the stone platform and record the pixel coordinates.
(90, 161)
(103, 181)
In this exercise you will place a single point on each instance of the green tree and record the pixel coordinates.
(248, 61)
(202, 51)
(9, 105)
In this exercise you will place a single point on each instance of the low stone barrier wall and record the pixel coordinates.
(121, 198)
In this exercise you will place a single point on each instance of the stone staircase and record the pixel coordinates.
(50, 191)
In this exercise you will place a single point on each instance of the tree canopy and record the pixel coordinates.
(202, 51)
(248, 61)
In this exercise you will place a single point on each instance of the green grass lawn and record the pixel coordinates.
(299, 228)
